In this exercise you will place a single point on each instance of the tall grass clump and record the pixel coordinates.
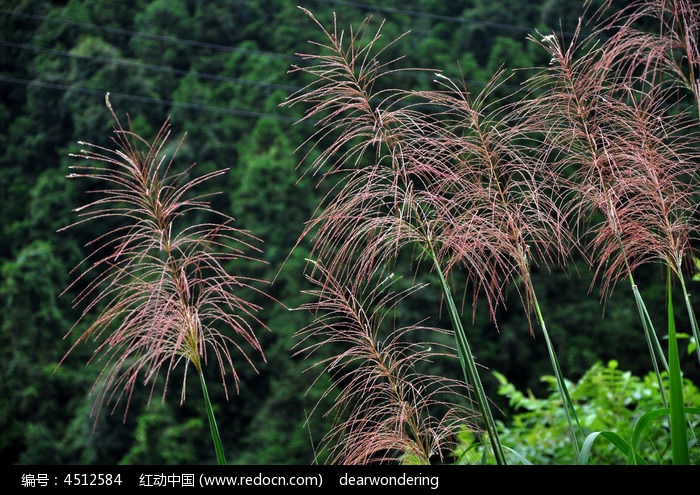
(377, 204)
(617, 132)
(384, 407)
(436, 174)
(596, 156)
(155, 291)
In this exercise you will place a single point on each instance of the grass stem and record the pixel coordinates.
(218, 447)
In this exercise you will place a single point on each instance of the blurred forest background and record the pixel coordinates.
(219, 70)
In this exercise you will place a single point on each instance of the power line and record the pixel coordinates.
(165, 69)
(437, 17)
(151, 67)
(442, 18)
(145, 99)
(152, 36)
(227, 48)
(171, 39)
(174, 39)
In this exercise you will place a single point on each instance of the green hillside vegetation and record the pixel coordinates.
(222, 75)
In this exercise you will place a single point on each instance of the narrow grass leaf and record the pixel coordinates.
(613, 438)
(216, 438)
(679, 435)
(655, 351)
(471, 374)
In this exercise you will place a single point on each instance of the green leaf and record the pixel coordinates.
(650, 416)
(679, 435)
(216, 438)
(613, 438)
(517, 455)
(641, 426)
(471, 374)
(696, 275)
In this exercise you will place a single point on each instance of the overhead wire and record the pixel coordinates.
(143, 34)
(193, 43)
(144, 99)
(151, 67)
(436, 17)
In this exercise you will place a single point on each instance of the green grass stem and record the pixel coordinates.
(218, 447)
(567, 403)
(471, 374)
(655, 351)
(679, 435)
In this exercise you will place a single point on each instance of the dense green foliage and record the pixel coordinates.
(220, 71)
(608, 399)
